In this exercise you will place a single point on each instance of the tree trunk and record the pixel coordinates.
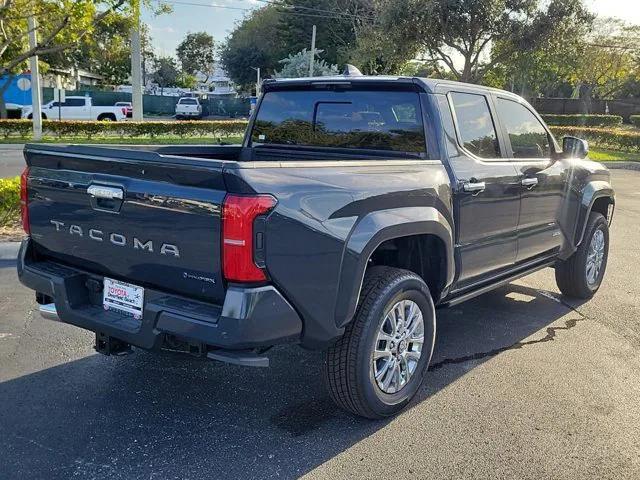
(586, 95)
(3, 89)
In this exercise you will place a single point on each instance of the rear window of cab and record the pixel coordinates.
(371, 120)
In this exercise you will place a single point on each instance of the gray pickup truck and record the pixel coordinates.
(354, 206)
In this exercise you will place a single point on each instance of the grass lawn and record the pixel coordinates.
(130, 141)
(606, 155)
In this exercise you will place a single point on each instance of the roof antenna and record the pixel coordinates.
(351, 71)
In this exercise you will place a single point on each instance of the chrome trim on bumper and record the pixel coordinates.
(49, 312)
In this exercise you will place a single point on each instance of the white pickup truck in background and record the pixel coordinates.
(188, 107)
(78, 108)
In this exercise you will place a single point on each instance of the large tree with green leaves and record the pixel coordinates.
(608, 60)
(107, 51)
(196, 53)
(337, 25)
(254, 42)
(272, 33)
(460, 34)
(166, 73)
(61, 25)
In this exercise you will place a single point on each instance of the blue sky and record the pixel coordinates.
(168, 30)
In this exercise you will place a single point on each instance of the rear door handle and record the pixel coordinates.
(529, 182)
(474, 187)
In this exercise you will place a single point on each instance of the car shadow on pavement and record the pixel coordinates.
(147, 415)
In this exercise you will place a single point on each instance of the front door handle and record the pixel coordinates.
(529, 182)
(473, 187)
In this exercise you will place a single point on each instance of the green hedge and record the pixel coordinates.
(583, 120)
(9, 201)
(617, 139)
(635, 120)
(66, 128)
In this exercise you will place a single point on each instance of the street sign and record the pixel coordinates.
(59, 95)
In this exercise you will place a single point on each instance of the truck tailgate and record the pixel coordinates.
(141, 217)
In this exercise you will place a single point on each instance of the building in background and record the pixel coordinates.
(72, 78)
(19, 91)
(217, 83)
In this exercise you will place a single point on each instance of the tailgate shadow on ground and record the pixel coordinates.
(172, 416)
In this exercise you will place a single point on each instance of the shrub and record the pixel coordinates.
(71, 129)
(12, 128)
(9, 200)
(583, 120)
(635, 120)
(616, 139)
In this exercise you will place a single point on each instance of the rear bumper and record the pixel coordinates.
(249, 318)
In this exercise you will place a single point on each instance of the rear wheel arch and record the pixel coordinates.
(107, 116)
(423, 254)
(363, 251)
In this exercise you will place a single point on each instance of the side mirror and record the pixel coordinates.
(574, 147)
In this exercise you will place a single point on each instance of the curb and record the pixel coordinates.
(9, 250)
(622, 165)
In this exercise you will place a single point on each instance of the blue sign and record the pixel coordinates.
(19, 90)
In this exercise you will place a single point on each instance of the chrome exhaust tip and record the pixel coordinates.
(49, 312)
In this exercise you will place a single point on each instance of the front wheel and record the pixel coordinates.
(581, 275)
(379, 363)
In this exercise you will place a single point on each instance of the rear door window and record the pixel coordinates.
(372, 120)
(476, 130)
(528, 137)
(74, 102)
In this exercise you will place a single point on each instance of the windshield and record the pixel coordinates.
(374, 120)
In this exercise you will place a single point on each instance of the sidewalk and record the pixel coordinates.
(11, 159)
(9, 250)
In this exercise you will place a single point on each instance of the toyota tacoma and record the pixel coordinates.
(353, 208)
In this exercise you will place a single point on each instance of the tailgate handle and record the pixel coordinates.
(109, 193)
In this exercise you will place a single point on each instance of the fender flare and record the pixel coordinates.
(590, 193)
(374, 229)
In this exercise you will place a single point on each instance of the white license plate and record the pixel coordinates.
(123, 297)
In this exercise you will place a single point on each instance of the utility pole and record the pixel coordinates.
(313, 51)
(258, 80)
(36, 100)
(136, 65)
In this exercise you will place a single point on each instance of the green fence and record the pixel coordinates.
(161, 105)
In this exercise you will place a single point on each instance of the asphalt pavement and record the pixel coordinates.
(524, 384)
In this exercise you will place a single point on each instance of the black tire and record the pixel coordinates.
(571, 274)
(107, 117)
(43, 116)
(348, 363)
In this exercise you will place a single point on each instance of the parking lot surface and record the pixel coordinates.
(524, 384)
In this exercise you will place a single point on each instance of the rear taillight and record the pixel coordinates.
(239, 237)
(24, 201)
(124, 111)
